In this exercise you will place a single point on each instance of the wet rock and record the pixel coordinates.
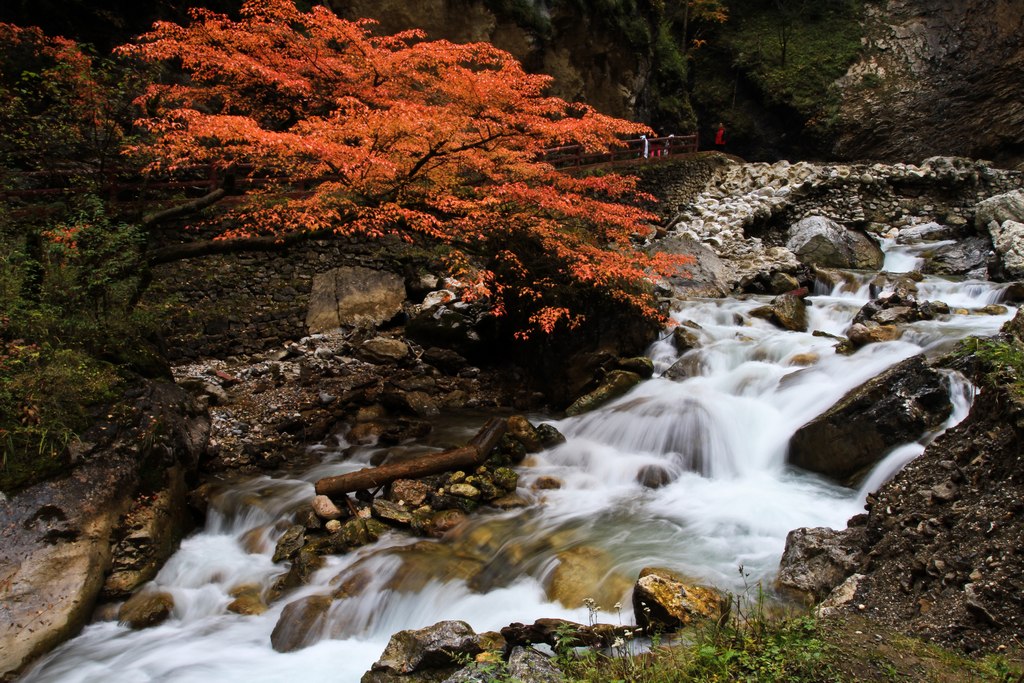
(441, 522)
(290, 543)
(782, 283)
(308, 518)
(147, 536)
(506, 479)
(303, 566)
(816, 560)
(786, 311)
(640, 365)
(301, 623)
(248, 600)
(862, 334)
(546, 483)
(653, 477)
(509, 502)
(392, 513)
(663, 602)
(820, 242)
(615, 384)
(968, 257)
(685, 338)
(896, 407)
(410, 492)
(520, 429)
(549, 436)
(325, 508)
(529, 666)
(433, 647)
(417, 403)
(707, 275)
(585, 573)
(146, 609)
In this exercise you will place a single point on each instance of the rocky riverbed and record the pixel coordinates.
(935, 554)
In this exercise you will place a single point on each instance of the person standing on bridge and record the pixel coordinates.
(645, 146)
(720, 137)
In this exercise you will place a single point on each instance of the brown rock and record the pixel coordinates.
(663, 602)
(145, 609)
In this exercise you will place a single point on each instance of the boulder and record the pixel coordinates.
(301, 623)
(685, 337)
(147, 536)
(816, 560)
(927, 232)
(433, 647)
(58, 534)
(529, 666)
(145, 609)
(897, 407)
(520, 429)
(353, 296)
(641, 365)
(459, 326)
(787, 311)
(706, 276)
(821, 242)
(967, 257)
(862, 334)
(383, 350)
(615, 384)
(1008, 240)
(663, 602)
(999, 209)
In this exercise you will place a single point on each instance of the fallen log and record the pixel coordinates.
(559, 633)
(464, 457)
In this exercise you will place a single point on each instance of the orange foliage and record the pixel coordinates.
(396, 135)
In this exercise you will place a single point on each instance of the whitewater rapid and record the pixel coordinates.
(718, 436)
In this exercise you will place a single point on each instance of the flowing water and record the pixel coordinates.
(719, 436)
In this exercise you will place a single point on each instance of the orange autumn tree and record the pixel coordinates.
(397, 135)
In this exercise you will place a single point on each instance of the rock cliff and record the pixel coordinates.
(936, 78)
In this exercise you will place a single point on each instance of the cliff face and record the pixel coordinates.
(936, 77)
(587, 64)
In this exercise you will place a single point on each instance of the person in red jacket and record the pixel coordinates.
(720, 136)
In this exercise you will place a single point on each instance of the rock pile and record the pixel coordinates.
(750, 214)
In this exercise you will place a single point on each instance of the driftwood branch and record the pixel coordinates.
(559, 633)
(463, 457)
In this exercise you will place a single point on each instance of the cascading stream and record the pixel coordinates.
(717, 438)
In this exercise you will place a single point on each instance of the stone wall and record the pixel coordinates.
(241, 304)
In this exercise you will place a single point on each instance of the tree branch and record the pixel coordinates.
(187, 250)
(186, 208)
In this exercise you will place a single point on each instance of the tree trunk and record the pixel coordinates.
(464, 457)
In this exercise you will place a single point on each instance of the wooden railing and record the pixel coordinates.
(634, 151)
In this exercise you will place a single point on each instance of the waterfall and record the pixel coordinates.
(712, 432)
